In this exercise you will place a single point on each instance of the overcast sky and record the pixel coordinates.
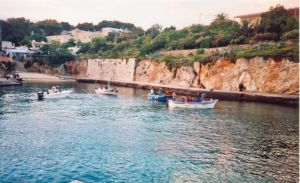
(144, 13)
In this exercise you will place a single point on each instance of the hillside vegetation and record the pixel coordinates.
(269, 38)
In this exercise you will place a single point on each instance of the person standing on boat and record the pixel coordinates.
(151, 91)
(203, 96)
(174, 96)
(160, 92)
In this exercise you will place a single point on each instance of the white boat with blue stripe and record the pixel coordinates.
(205, 104)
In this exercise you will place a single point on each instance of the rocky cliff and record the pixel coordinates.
(74, 68)
(253, 75)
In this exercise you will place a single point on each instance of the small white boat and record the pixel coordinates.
(50, 94)
(107, 90)
(206, 104)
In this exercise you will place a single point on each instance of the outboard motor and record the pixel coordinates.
(40, 95)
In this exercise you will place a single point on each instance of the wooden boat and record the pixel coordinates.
(206, 104)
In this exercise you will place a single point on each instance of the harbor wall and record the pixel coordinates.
(111, 69)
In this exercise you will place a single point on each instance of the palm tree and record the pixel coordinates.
(220, 17)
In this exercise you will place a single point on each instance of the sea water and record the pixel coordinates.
(95, 138)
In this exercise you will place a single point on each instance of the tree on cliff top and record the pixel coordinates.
(115, 24)
(154, 30)
(221, 21)
(19, 28)
(222, 30)
(66, 26)
(56, 54)
(277, 20)
(86, 26)
(47, 27)
(6, 30)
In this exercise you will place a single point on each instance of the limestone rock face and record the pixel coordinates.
(255, 75)
(184, 77)
(37, 67)
(153, 72)
(251, 75)
(75, 68)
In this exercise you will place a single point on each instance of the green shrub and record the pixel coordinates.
(291, 35)
(239, 40)
(265, 37)
(167, 58)
(200, 51)
(205, 42)
(268, 51)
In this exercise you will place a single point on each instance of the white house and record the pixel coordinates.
(77, 35)
(107, 30)
(18, 52)
(7, 45)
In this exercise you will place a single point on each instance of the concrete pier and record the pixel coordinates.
(290, 100)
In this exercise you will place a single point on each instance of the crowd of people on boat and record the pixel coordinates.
(55, 89)
(157, 92)
(103, 87)
(186, 99)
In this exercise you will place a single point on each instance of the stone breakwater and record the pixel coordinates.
(257, 75)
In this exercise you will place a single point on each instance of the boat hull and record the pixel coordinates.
(105, 92)
(193, 105)
(62, 94)
(159, 98)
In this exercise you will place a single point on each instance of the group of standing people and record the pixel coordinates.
(157, 92)
(199, 98)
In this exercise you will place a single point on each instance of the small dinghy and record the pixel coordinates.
(205, 104)
(159, 96)
(55, 92)
(107, 90)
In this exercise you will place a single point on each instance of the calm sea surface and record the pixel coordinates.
(94, 138)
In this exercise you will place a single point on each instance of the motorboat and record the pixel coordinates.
(159, 96)
(55, 92)
(107, 90)
(204, 104)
